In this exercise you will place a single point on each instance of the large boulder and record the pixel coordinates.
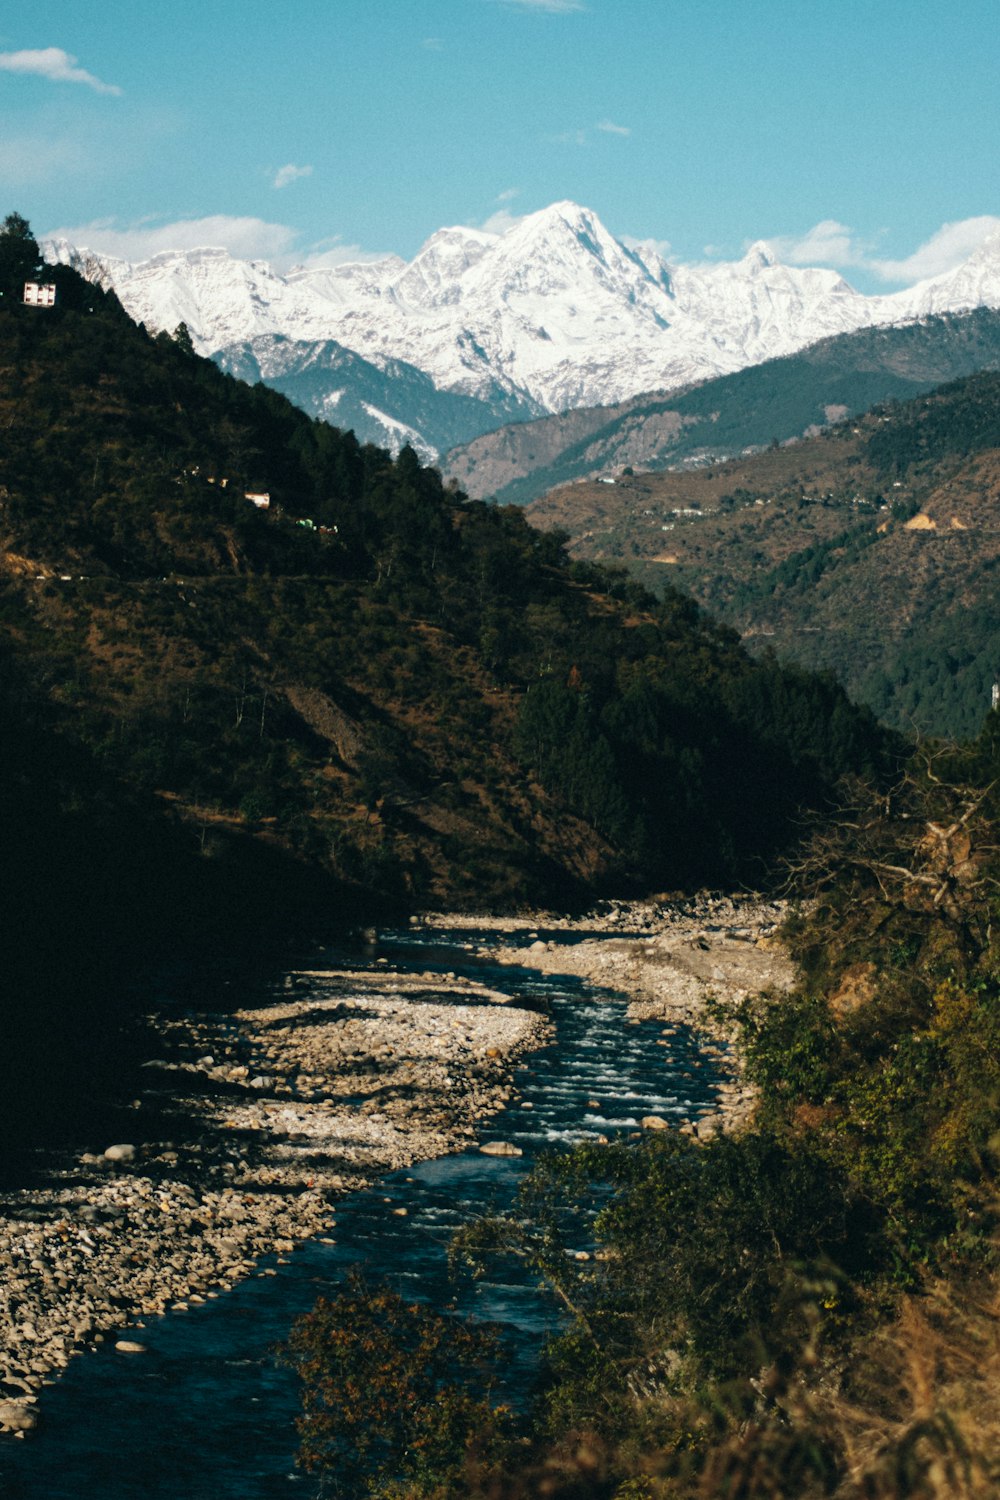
(123, 1152)
(16, 1416)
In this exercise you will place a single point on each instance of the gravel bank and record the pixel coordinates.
(249, 1127)
(669, 959)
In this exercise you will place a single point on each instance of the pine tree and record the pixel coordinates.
(20, 257)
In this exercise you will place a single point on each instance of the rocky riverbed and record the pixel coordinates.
(670, 958)
(248, 1127)
(251, 1123)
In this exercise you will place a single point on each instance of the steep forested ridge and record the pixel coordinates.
(371, 692)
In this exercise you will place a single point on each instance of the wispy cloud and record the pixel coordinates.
(554, 7)
(247, 238)
(28, 159)
(830, 243)
(646, 247)
(290, 173)
(337, 252)
(501, 221)
(945, 250)
(55, 65)
(583, 136)
(432, 44)
(827, 243)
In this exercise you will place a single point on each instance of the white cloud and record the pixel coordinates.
(290, 173)
(337, 253)
(55, 65)
(508, 194)
(502, 221)
(656, 247)
(945, 250)
(830, 243)
(610, 128)
(246, 238)
(432, 44)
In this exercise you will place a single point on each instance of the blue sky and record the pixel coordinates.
(862, 135)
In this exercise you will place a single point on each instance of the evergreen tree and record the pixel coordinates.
(20, 257)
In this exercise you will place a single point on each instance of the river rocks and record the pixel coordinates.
(500, 1148)
(670, 957)
(17, 1417)
(270, 1133)
(654, 1122)
(129, 1346)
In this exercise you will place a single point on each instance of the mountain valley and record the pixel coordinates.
(265, 683)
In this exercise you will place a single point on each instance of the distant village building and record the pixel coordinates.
(261, 498)
(40, 294)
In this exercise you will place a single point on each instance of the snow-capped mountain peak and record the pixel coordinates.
(554, 313)
(759, 257)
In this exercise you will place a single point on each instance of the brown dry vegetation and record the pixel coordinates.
(819, 550)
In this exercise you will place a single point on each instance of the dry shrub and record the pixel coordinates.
(916, 1415)
(924, 1422)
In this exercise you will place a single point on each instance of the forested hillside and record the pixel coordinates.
(869, 551)
(372, 692)
(777, 401)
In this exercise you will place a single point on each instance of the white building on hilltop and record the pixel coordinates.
(40, 294)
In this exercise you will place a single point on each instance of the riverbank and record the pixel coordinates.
(250, 1124)
(670, 959)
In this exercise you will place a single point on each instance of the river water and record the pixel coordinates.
(206, 1413)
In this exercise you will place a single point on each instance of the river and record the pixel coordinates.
(206, 1413)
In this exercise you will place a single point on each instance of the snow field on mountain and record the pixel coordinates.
(555, 311)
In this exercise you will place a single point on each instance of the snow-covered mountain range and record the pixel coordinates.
(554, 314)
